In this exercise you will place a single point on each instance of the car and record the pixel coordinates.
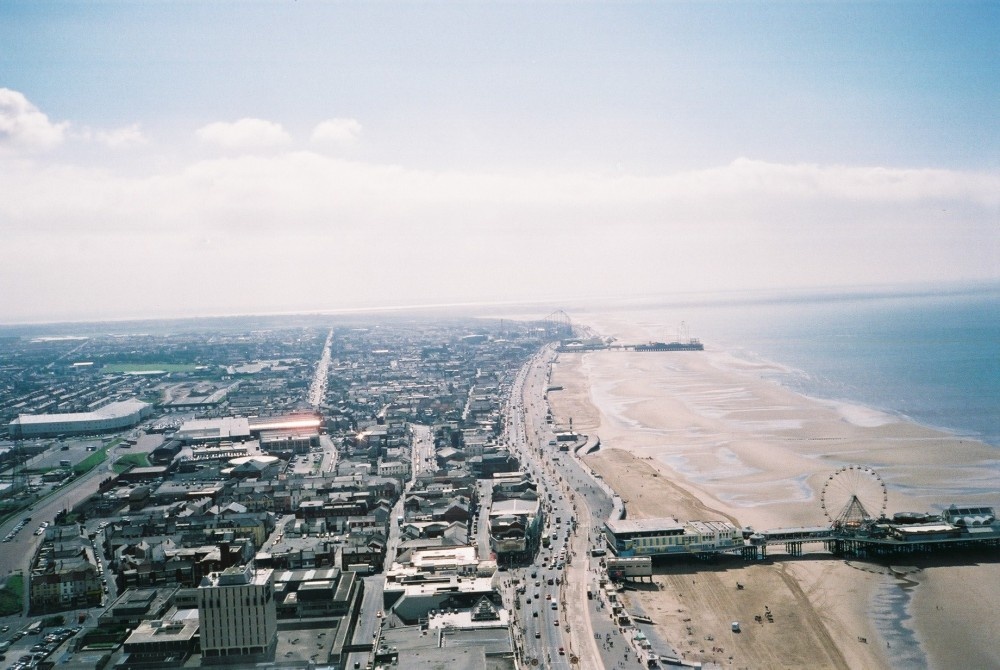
(548, 596)
(537, 634)
(555, 623)
(562, 652)
(527, 600)
(555, 605)
(380, 614)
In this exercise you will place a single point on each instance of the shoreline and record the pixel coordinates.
(734, 443)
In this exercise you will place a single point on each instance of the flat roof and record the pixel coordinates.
(712, 526)
(168, 630)
(223, 427)
(925, 528)
(619, 526)
(114, 410)
(451, 584)
(236, 576)
(306, 575)
(259, 424)
(514, 506)
(437, 556)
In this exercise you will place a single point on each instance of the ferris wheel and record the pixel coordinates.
(853, 495)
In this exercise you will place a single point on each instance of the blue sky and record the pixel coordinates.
(387, 153)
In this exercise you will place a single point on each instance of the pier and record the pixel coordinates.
(853, 531)
(879, 539)
(575, 346)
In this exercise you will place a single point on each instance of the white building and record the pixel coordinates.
(111, 417)
(238, 615)
(394, 469)
(655, 537)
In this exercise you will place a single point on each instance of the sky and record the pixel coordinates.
(165, 159)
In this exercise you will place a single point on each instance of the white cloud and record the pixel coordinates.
(244, 134)
(127, 136)
(116, 138)
(337, 131)
(382, 234)
(309, 191)
(24, 126)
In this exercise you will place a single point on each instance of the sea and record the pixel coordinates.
(930, 355)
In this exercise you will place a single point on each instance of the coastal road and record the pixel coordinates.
(587, 632)
(559, 614)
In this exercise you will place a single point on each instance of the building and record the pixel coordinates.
(223, 429)
(413, 597)
(136, 605)
(287, 434)
(315, 593)
(162, 643)
(63, 573)
(113, 416)
(395, 469)
(656, 537)
(515, 527)
(238, 615)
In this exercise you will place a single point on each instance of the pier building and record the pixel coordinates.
(666, 536)
(956, 529)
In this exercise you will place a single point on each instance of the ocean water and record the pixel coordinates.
(930, 356)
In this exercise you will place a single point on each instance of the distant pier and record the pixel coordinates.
(571, 346)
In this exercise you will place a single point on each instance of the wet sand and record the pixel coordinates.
(701, 435)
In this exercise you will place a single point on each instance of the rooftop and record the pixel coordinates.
(182, 629)
(665, 524)
(114, 410)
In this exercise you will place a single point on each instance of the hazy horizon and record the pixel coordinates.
(167, 160)
(579, 308)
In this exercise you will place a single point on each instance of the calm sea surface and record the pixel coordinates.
(932, 357)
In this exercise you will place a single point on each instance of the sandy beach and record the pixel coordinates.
(702, 435)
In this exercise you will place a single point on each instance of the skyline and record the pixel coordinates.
(190, 159)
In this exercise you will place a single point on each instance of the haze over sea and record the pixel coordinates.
(932, 356)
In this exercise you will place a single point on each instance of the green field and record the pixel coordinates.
(149, 367)
(129, 460)
(12, 596)
(95, 459)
